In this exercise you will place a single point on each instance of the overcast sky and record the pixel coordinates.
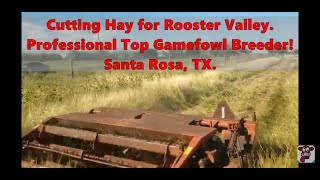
(34, 26)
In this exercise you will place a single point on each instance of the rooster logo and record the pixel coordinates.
(306, 153)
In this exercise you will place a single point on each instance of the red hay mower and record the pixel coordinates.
(115, 137)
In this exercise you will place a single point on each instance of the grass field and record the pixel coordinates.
(272, 93)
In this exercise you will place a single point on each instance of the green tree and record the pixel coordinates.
(176, 53)
(41, 56)
(192, 53)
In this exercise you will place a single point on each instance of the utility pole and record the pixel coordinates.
(71, 66)
(275, 30)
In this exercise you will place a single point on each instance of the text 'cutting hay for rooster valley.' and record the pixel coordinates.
(168, 24)
(126, 138)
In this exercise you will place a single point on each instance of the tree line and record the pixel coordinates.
(128, 55)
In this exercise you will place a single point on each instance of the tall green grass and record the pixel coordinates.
(277, 131)
(272, 94)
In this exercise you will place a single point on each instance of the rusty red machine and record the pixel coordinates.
(123, 138)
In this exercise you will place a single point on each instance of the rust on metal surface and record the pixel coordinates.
(125, 138)
(153, 121)
(68, 132)
(80, 154)
(111, 139)
(140, 144)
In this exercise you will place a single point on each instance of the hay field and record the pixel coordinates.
(268, 89)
